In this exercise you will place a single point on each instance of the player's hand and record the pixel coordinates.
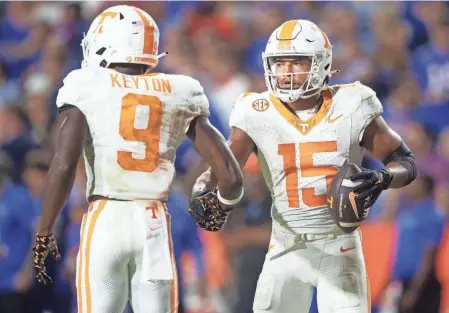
(206, 211)
(374, 182)
(43, 246)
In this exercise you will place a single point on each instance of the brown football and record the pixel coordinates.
(346, 211)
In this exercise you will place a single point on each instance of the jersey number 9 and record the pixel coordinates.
(149, 135)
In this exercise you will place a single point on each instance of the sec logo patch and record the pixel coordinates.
(260, 105)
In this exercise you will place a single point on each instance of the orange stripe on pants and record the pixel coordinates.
(79, 291)
(90, 231)
(368, 288)
(174, 286)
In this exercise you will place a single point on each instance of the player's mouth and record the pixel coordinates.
(288, 85)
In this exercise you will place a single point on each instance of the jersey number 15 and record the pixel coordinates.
(306, 152)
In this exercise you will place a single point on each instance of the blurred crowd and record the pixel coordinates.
(400, 49)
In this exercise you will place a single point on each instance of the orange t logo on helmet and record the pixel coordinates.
(103, 16)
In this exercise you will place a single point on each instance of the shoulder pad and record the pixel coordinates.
(247, 97)
(76, 85)
(355, 88)
(187, 85)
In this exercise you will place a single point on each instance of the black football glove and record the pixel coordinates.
(206, 211)
(374, 182)
(43, 246)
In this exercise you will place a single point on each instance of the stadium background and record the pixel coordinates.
(399, 49)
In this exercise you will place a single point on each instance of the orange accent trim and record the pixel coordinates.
(79, 290)
(148, 42)
(286, 33)
(288, 152)
(330, 201)
(304, 127)
(327, 44)
(353, 203)
(174, 301)
(90, 232)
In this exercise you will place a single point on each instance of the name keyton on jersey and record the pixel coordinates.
(140, 82)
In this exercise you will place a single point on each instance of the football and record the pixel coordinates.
(346, 211)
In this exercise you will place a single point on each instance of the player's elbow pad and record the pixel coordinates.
(403, 155)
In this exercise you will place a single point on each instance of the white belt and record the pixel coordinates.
(293, 242)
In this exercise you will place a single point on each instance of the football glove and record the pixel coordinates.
(206, 211)
(374, 182)
(43, 246)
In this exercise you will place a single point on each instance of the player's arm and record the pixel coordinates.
(70, 141)
(385, 145)
(209, 209)
(224, 168)
(241, 146)
(70, 126)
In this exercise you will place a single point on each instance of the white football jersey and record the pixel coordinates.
(299, 158)
(135, 124)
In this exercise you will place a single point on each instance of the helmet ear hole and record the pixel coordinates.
(101, 51)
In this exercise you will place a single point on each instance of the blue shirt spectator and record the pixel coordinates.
(65, 277)
(17, 217)
(419, 227)
(9, 88)
(431, 65)
(15, 28)
(418, 29)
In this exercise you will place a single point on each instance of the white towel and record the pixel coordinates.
(156, 260)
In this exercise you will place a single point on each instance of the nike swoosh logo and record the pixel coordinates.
(353, 203)
(331, 120)
(343, 250)
(154, 228)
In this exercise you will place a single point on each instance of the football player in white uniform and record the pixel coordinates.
(302, 131)
(129, 123)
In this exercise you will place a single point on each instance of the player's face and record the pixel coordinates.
(284, 67)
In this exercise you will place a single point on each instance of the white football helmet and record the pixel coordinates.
(298, 38)
(121, 34)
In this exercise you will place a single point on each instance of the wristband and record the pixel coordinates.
(230, 202)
